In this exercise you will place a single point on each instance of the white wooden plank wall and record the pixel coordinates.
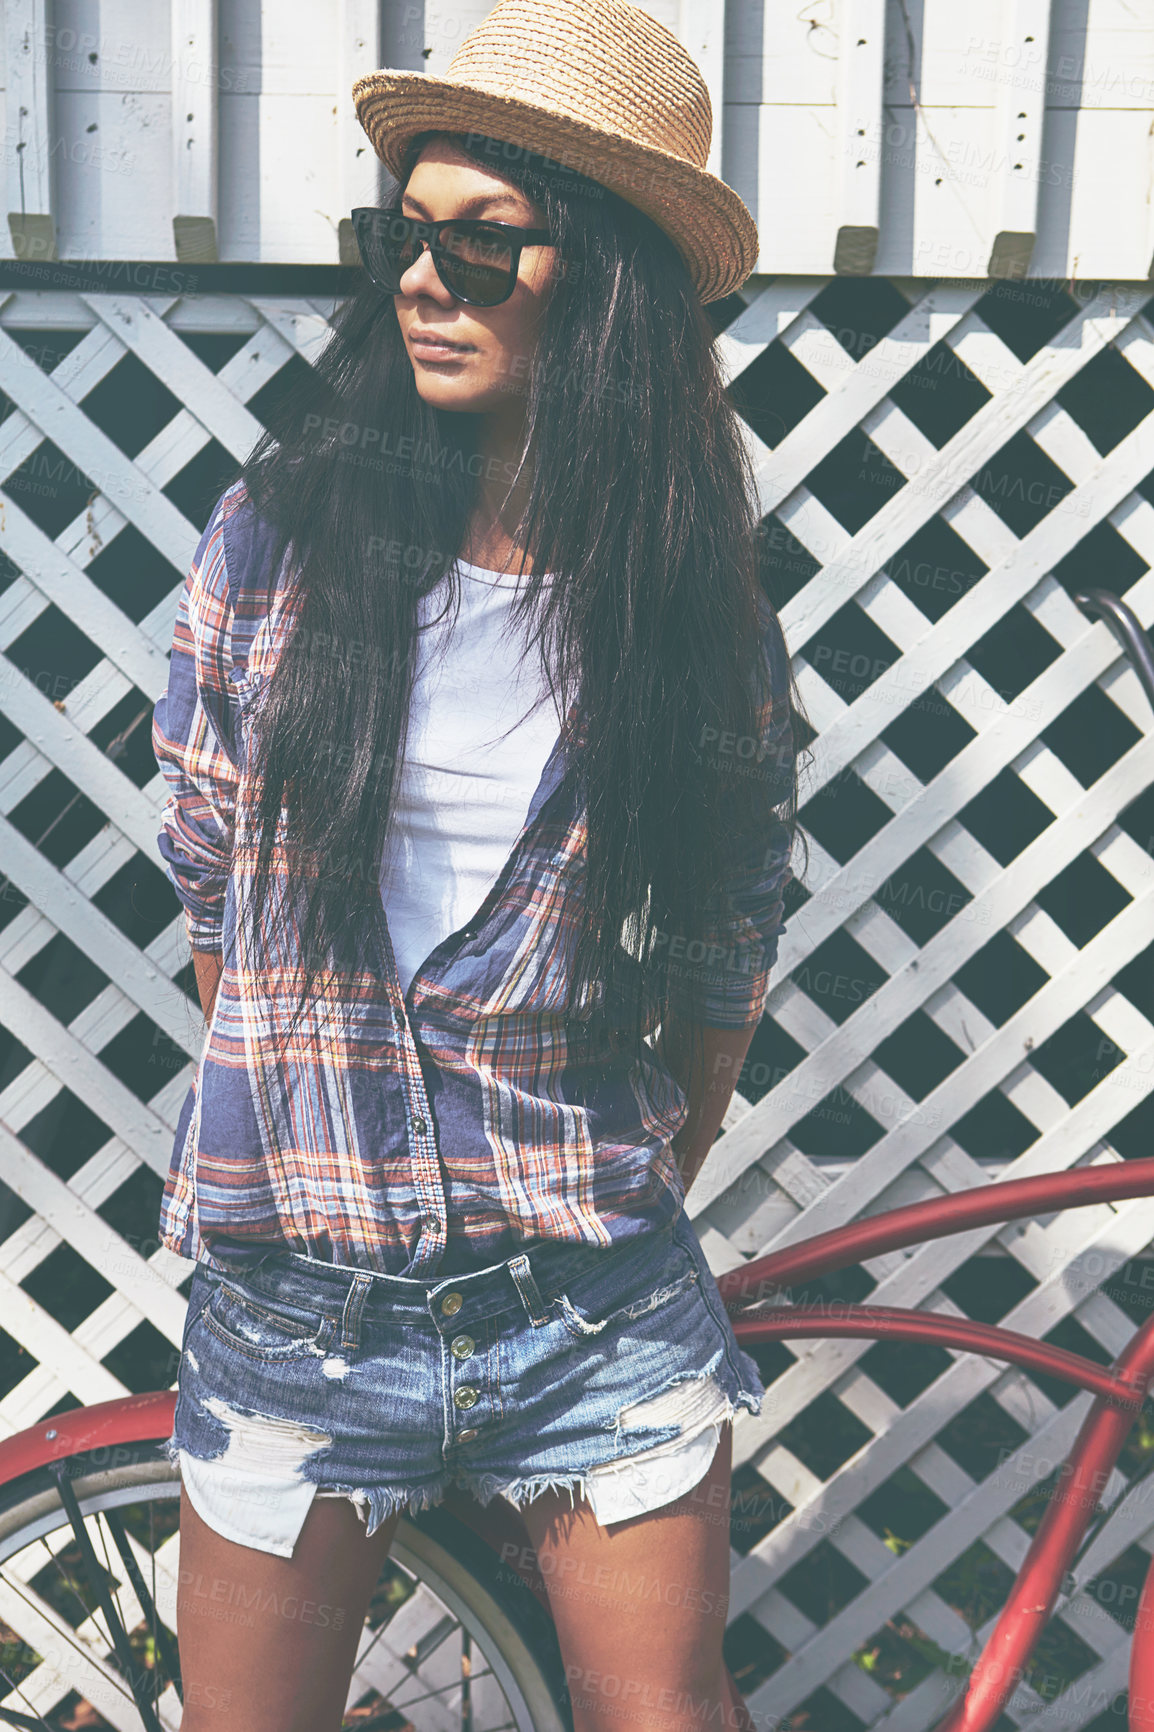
(1001, 137)
(991, 113)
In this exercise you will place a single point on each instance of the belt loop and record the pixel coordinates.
(354, 1307)
(527, 1287)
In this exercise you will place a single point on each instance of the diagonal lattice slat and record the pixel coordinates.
(759, 1173)
(845, 1104)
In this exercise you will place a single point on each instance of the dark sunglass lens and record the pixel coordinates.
(479, 265)
(386, 247)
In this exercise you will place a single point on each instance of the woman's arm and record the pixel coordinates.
(709, 1084)
(209, 966)
(742, 926)
(191, 723)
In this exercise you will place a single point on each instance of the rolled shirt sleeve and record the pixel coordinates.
(737, 945)
(190, 727)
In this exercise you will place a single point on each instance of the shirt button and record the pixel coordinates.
(466, 1396)
(462, 1346)
(420, 1126)
(451, 1304)
(467, 1435)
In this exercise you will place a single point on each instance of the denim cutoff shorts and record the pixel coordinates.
(300, 1376)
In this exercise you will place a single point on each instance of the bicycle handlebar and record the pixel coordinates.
(1119, 1389)
(982, 1206)
(1127, 628)
(883, 1323)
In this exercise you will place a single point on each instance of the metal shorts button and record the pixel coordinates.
(467, 1435)
(451, 1304)
(462, 1346)
(466, 1396)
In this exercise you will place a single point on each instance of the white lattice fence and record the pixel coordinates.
(961, 991)
(957, 848)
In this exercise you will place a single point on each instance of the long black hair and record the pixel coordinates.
(641, 501)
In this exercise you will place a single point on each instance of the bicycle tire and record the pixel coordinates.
(501, 1615)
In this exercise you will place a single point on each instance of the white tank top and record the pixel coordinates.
(482, 723)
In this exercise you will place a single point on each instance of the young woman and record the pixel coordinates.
(479, 736)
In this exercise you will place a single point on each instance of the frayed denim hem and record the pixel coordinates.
(748, 1389)
(720, 1371)
(665, 1410)
(374, 1504)
(171, 1450)
(519, 1492)
(377, 1504)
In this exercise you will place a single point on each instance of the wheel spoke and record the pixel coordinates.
(91, 1661)
(89, 1614)
(13, 1716)
(103, 1592)
(112, 1585)
(81, 1591)
(440, 1691)
(162, 1642)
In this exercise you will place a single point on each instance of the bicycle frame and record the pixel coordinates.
(1119, 1394)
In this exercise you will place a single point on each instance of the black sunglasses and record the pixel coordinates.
(477, 261)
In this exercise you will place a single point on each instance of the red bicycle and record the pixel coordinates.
(458, 1633)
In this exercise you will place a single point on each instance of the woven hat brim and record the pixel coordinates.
(707, 221)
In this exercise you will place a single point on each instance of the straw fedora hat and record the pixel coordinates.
(599, 86)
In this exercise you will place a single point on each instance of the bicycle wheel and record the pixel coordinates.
(452, 1642)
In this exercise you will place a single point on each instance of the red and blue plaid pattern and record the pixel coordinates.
(437, 1130)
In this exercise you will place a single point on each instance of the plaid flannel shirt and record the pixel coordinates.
(445, 1127)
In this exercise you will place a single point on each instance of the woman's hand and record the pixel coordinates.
(209, 966)
(708, 1083)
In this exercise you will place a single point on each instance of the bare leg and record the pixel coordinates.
(267, 1644)
(640, 1607)
(737, 1715)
